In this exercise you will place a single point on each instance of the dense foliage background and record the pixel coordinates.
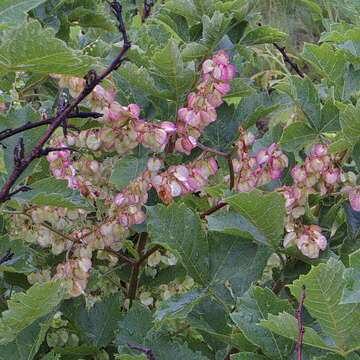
(195, 196)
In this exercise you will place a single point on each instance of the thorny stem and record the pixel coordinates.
(300, 324)
(92, 79)
(31, 125)
(148, 352)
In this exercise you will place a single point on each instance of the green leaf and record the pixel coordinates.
(53, 192)
(193, 50)
(134, 326)
(141, 78)
(328, 62)
(286, 325)
(324, 288)
(239, 89)
(265, 215)
(13, 12)
(28, 341)
(330, 117)
(32, 48)
(351, 34)
(179, 305)
(350, 122)
(178, 229)
(234, 261)
(352, 356)
(214, 29)
(263, 35)
(101, 321)
(305, 96)
(25, 308)
(296, 136)
(126, 169)
(22, 261)
(211, 259)
(185, 8)
(168, 62)
(352, 280)
(247, 356)
(255, 306)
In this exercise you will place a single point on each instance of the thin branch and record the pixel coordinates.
(148, 352)
(232, 173)
(300, 324)
(286, 58)
(8, 256)
(121, 256)
(148, 4)
(92, 79)
(30, 125)
(214, 151)
(219, 206)
(134, 277)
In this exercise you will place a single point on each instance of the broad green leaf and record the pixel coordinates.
(265, 215)
(32, 48)
(239, 89)
(168, 62)
(134, 326)
(81, 350)
(324, 289)
(305, 96)
(141, 78)
(178, 229)
(352, 280)
(328, 62)
(179, 305)
(193, 51)
(16, 118)
(25, 308)
(214, 29)
(100, 322)
(51, 356)
(235, 261)
(22, 261)
(353, 222)
(351, 356)
(350, 122)
(297, 136)
(330, 114)
(351, 83)
(13, 12)
(351, 34)
(255, 306)
(286, 325)
(185, 8)
(247, 356)
(28, 341)
(263, 35)
(126, 169)
(211, 259)
(212, 321)
(53, 192)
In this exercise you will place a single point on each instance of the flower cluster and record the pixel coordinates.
(318, 174)
(252, 171)
(179, 180)
(200, 110)
(76, 272)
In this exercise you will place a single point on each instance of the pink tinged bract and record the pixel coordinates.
(332, 176)
(354, 197)
(298, 173)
